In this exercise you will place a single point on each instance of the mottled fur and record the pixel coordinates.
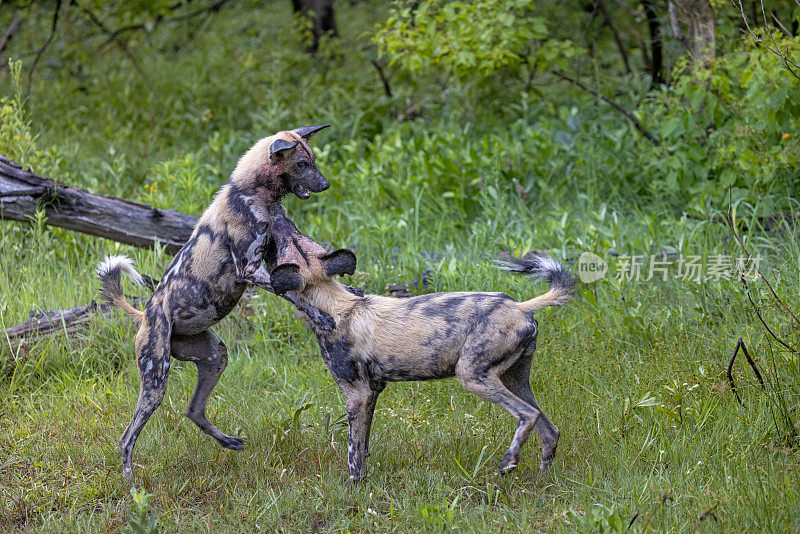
(487, 340)
(208, 276)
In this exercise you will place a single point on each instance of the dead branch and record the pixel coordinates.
(43, 324)
(117, 41)
(749, 257)
(780, 24)
(12, 29)
(627, 114)
(379, 64)
(761, 318)
(600, 6)
(790, 65)
(23, 192)
(740, 345)
(44, 47)
(211, 8)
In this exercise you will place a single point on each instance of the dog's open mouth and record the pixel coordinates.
(301, 192)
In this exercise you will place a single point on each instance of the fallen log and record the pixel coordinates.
(118, 219)
(46, 323)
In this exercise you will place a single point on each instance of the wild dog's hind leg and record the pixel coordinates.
(372, 401)
(152, 357)
(478, 370)
(517, 380)
(210, 355)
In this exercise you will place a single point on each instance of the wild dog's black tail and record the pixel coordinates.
(561, 281)
(110, 274)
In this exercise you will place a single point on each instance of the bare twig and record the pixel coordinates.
(705, 515)
(610, 23)
(781, 26)
(379, 64)
(760, 318)
(775, 296)
(628, 115)
(740, 345)
(790, 65)
(211, 8)
(632, 521)
(12, 29)
(120, 44)
(46, 44)
(666, 496)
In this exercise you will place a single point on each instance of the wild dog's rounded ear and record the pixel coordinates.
(339, 262)
(307, 131)
(286, 277)
(279, 147)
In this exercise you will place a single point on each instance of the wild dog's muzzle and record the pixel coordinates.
(317, 185)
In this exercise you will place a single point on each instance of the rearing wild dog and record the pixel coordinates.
(487, 340)
(208, 275)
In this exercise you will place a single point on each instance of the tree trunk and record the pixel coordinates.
(657, 59)
(699, 18)
(122, 220)
(321, 13)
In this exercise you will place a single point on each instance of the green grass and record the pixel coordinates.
(633, 373)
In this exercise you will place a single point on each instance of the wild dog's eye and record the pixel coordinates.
(302, 164)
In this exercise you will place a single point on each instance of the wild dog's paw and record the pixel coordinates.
(508, 464)
(232, 443)
(355, 291)
(321, 320)
(548, 455)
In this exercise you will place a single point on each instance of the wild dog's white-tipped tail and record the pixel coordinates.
(124, 264)
(561, 281)
(109, 272)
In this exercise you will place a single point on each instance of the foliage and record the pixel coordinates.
(471, 39)
(733, 125)
(434, 180)
(142, 520)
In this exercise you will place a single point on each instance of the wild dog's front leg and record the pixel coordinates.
(355, 291)
(359, 402)
(258, 276)
(320, 319)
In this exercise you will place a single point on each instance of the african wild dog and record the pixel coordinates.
(208, 276)
(487, 340)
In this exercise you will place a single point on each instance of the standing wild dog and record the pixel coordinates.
(487, 340)
(208, 276)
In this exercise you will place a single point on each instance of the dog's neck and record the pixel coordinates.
(331, 297)
(241, 207)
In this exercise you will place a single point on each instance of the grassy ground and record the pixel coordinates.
(633, 373)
